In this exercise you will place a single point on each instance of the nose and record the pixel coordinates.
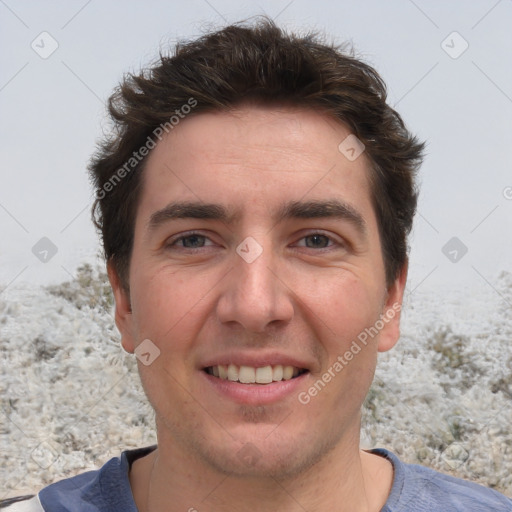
(254, 294)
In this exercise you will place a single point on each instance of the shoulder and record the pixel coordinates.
(105, 489)
(422, 489)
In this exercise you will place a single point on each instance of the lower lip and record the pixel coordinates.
(256, 394)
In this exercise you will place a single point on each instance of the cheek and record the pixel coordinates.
(343, 305)
(169, 305)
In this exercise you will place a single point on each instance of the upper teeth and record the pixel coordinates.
(251, 375)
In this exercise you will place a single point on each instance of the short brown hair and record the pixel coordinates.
(260, 63)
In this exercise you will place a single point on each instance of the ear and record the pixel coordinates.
(391, 313)
(123, 310)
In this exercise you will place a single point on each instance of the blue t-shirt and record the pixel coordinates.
(415, 489)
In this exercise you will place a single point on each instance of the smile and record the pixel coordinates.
(251, 375)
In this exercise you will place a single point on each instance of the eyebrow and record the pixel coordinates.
(292, 210)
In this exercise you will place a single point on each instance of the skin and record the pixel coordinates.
(305, 296)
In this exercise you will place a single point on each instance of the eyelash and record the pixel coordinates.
(173, 243)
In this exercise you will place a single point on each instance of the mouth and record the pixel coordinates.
(263, 375)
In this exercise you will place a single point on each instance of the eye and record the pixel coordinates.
(317, 241)
(189, 241)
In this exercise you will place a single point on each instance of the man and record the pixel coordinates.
(254, 204)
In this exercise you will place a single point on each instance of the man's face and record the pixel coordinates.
(269, 257)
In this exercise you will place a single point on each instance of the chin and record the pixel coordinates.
(270, 455)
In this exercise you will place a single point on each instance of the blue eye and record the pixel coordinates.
(192, 241)
(317, 241)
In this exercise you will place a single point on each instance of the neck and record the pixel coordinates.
(171, 480)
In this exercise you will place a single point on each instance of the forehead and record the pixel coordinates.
(255, 159)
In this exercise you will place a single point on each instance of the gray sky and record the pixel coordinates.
(454, 90)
